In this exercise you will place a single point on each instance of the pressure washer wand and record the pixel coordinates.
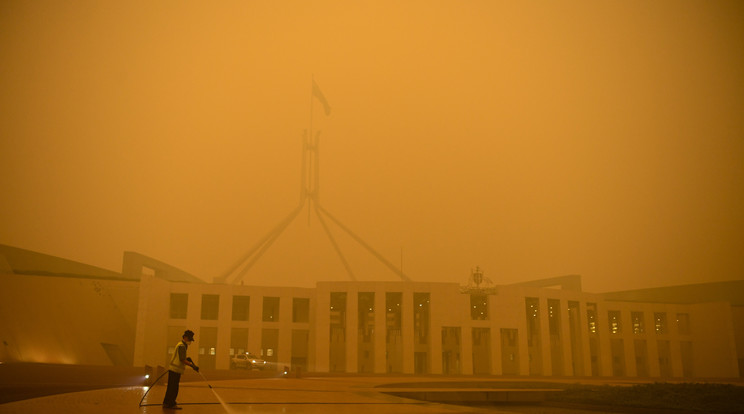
(222, 402)
(204, 378)
(197, 371)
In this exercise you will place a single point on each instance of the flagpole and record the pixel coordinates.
(312, 80)
(310, 142)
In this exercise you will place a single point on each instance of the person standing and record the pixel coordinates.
(176, 367)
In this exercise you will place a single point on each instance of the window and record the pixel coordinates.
(660, 322)
(554, 316)
(366, 316)
(241, 308)
(421, 316)
(300, 310)
(532, 310)
(210, 307)
(178, 305)
(591, 317)
(683, 323)
(338, 309)
(478, 307)
(637, 320)
(393, 315)
(614, 321)
(270, 309)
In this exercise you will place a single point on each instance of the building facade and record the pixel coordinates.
(438, 328)
(53, 310)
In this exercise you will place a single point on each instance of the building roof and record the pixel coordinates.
(27, 262)
(730, 291)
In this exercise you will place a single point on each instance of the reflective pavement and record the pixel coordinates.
(311, 395)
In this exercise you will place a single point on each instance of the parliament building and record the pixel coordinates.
(59, 311)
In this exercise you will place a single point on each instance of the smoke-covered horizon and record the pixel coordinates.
(531, 140)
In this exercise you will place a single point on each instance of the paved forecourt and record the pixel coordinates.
(310, 395)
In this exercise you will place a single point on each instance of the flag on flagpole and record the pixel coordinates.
(318, 94)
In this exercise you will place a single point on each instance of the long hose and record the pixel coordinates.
(150, 387)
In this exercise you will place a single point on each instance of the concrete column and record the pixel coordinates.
(583, 340)
(524, 351)
(675, 350)
(284, 350)
(605, 349)
(563, 314)
(496, 367)
(407, 331)
(436, 307)
(223, 331)
(193, 321)
(629, 351)
(323, 328)
(193, 314)
(255, 324)
(466, 350)
(380, 332)
(547, 359)
(352, 331)
(626, 333)
(652, 348)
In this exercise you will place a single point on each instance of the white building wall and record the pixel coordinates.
(584, 339)
(566, 338)
(380, 348)
(712, 333)
(493, 319)
(352, 329)
(714, 346)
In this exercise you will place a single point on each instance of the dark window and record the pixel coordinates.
(532, 310)
(300, 310)
(338, 308)
(637, 319)
(660, 322)
(683, 323)
(478, 307)
(554, 316)
(178, 304)
(210, 307)
(241, 308)
(591, 317)
(421, 316)
(393, 315)
(270, 309)
(366, 314)
(614, 320)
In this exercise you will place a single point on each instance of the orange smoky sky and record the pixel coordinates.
(532, 139)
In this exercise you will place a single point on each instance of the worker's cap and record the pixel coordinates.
(189, 335)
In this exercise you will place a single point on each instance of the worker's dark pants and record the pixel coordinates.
(172, 391)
